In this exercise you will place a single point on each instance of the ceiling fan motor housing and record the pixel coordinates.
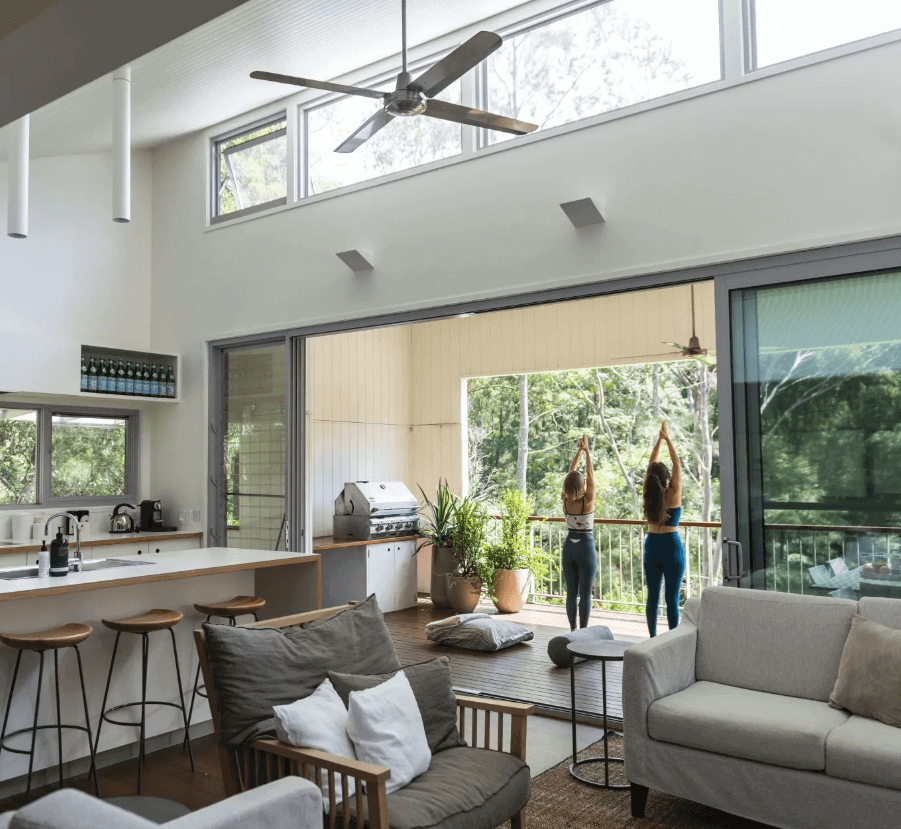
(405, 102)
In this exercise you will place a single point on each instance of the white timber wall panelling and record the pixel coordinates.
(359, 396)
(723, 177)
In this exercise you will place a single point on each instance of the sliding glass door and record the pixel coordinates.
(810, 394)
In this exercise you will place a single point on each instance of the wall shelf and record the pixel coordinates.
(166, 361)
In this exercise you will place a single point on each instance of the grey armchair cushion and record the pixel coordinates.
(72, 809)
(256, 668)
(464, 788)
(865, 750)
(743, 640)
(433, 688)
(768, 728)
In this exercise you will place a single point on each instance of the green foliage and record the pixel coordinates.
(437, 525)
(260, 170)
(470, 532)
(512, 551)
(87, 460)
(18, 443)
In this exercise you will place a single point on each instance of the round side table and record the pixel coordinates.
(604, 651)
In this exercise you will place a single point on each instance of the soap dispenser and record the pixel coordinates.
(43, 561)
(59, 556)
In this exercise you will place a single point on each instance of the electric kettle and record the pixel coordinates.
(122, 522)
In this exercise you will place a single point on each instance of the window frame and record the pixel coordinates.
(216, 183)
(43, 454)
(737, 43)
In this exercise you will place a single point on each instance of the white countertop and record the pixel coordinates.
(178, 564)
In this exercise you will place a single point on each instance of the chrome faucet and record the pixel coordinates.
(75, 564)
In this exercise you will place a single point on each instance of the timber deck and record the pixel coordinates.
(523, 673)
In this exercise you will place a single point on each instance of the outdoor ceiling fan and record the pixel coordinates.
(693, 349)
(415, 97)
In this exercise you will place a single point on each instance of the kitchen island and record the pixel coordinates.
(175, 580)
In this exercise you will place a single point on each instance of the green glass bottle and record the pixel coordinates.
(84, 374)
(120, 378)
(92, 375)
(154, 381)
(103, 378)
(129, 378)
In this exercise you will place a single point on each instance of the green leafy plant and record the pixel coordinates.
(437, 526)
(514, 549)
(470, 530)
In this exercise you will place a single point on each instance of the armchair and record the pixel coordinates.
(485, 792)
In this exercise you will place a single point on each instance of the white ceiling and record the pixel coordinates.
(201, 78)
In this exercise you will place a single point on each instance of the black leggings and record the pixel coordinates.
(580, 567)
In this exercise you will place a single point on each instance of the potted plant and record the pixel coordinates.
(464, 585)
(436, 529)
(512, 558)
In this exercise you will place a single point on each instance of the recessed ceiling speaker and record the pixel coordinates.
(17, 190)
(355, 261)
(583, 213)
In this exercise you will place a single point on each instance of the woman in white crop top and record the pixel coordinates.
(580, 561)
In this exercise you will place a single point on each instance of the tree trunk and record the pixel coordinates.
(522, 458)
(602, 416)
(656, 392)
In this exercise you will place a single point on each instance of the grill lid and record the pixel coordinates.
(375, 498)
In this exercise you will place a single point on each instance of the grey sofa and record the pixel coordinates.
(730, 709)
(290, 803)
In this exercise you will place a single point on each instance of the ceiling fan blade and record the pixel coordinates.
(477, 118)
(457, 63)
(331, 87)
(365, 132)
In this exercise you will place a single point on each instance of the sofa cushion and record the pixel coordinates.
(255, 669)
(743, 640)
(885, 611)
(463, 788)
(433, 688)
(866, 751)
(768, 728)
(869, 676)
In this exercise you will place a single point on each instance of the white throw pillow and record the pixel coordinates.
(386, 728)
(318, 721)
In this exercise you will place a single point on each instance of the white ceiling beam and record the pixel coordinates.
(77, 41)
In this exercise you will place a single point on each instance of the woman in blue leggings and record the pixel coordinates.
(580, 561)
(664, 555)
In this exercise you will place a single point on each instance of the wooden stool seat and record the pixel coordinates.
(145, 622)
(47, 640)
(238, 606)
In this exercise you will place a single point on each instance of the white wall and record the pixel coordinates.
(79, 274)
(798, 160)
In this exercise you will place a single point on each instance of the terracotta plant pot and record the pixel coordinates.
(510, 590)
(463, 592)
(443, 564)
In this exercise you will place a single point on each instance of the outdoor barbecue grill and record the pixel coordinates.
(374, 510)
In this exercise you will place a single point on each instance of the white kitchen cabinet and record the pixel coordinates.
(43, 363)
(172, 544)
(387, 569)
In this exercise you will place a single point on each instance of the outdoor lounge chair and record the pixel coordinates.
(463, 787)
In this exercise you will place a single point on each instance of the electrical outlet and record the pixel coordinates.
(195, 516)
(181, 516)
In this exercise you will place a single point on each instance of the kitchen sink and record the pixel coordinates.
(89, 565)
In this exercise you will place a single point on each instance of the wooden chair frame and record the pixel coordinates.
(267, 759)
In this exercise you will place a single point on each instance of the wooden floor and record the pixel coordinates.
(523, 673)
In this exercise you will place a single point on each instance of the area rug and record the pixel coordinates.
(560, 802)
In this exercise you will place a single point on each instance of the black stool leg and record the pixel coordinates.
(109, 676)
(87, 722)
(181, 698)
(9, 700)
(34, 733)
(145, 645)
(59, 718)
(195, 691)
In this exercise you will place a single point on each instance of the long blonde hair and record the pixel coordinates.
(574, 485)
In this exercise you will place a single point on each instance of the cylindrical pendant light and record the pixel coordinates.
(122, 145)
(17, 196)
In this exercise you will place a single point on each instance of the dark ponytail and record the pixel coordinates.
(656, 484)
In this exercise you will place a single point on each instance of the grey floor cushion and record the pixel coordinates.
(464, 788)
(557, 648)
(481, 634)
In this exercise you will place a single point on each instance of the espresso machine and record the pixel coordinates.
(152, 518)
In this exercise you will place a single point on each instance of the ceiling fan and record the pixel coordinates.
(415, 96)
(693, 349)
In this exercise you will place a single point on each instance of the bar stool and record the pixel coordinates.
(238, 606)
(143, 624)
(67, 636)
